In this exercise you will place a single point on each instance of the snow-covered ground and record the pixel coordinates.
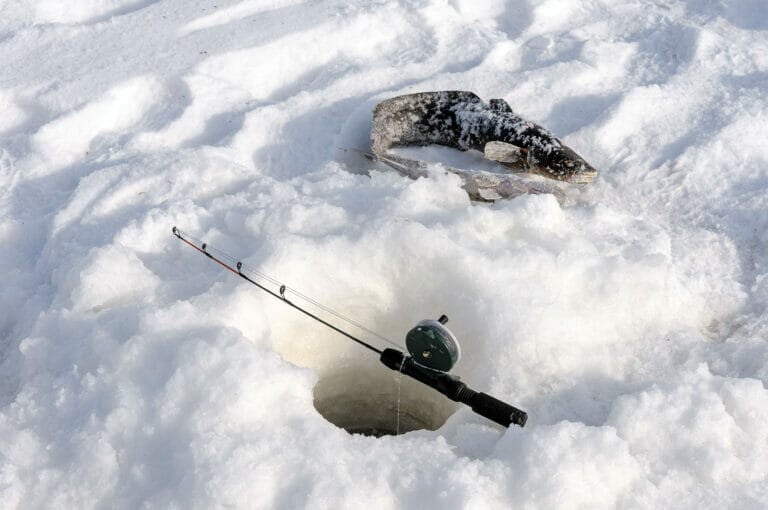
(631, 323)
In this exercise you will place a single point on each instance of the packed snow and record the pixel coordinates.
(630, 322)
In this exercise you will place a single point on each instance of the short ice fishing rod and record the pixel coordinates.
(433, 349)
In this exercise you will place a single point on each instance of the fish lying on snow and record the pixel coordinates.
(461, 120)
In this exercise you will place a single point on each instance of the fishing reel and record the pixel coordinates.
(432, 345)
(434, 351)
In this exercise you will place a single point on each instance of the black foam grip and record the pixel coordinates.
(498, 411)
(450, 386)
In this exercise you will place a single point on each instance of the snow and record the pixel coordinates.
(630, 323)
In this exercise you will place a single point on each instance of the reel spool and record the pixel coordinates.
(433, 346)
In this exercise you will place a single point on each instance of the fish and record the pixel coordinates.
(461, 120)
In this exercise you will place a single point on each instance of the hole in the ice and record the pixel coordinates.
(364, 400)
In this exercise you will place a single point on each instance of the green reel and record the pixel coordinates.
(432, 345)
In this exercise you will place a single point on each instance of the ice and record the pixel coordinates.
(629, 321)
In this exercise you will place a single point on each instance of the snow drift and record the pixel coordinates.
(630, 324)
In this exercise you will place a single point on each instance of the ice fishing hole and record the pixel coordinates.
(364, 400)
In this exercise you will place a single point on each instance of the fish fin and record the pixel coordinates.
(504, 152)
(500, 106)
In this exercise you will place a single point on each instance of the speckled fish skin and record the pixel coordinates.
(460, 119)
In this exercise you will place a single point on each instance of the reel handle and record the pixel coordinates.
(450, 386)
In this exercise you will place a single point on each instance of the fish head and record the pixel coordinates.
(564, 164)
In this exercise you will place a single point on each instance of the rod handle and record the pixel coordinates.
(450, 386)
(496, 410)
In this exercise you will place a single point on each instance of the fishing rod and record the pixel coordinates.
(432, 348)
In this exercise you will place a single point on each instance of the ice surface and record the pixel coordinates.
(631, 323)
